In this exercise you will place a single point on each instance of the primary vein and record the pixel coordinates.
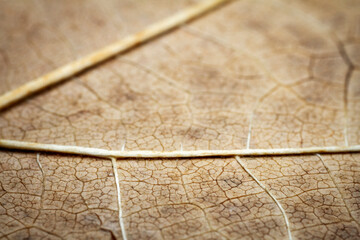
(98, 152)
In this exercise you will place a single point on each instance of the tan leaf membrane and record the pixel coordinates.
(251, 122)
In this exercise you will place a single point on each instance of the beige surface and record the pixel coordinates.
(93, 59)
(288, 69)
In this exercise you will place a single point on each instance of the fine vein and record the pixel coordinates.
(43, 176)
(249, 131)
(270, 194)
(338, 188)
(98, 152)
(121, 222)
(348, 75)
(43, 184)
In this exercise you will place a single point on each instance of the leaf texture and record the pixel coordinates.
(251, 74)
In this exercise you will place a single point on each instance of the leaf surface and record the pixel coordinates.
(251, 74)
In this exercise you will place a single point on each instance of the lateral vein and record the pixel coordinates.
(121, 221)
(287, 223)
(338, 188)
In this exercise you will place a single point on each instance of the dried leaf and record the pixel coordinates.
(252, 74)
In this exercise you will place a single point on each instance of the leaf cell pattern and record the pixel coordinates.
(252, 74)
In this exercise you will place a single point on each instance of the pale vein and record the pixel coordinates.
(117, 182)
(98, 152)
(338, 187)
(130, 41)
(270, 194)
